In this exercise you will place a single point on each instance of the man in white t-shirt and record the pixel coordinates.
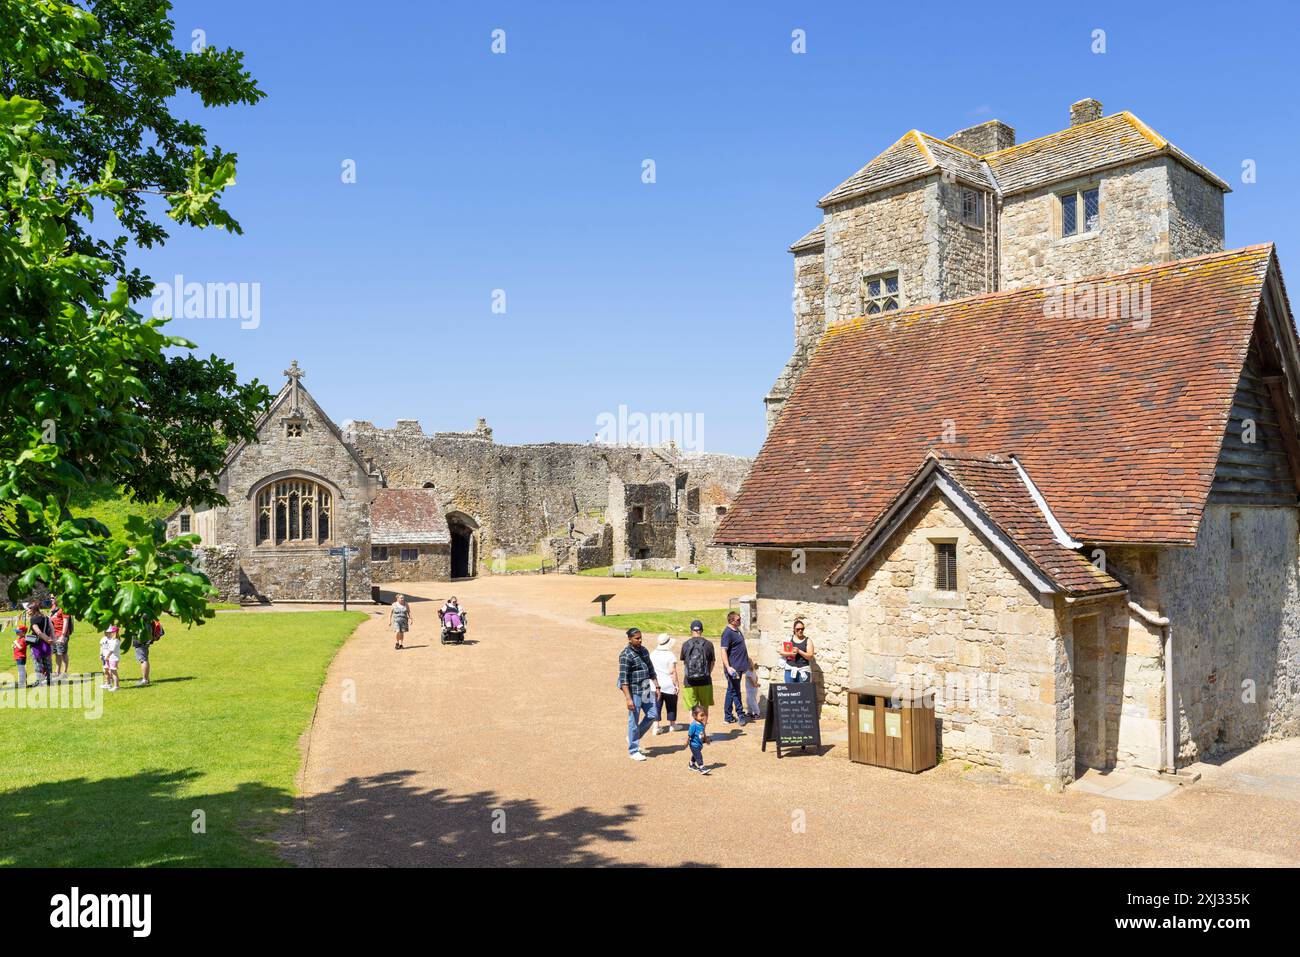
(665, 663)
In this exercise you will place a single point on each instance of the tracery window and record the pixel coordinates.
(294, 511)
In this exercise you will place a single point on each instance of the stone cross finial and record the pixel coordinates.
(294, 374)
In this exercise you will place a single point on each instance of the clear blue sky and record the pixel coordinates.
(522, 172)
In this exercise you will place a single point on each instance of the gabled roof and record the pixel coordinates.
(408, 516)
(815, 238)
(917, 154)
(994, 495)
(1111, 141)
(278, 405)
(1119, 420)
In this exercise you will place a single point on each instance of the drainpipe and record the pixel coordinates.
(1171, 744)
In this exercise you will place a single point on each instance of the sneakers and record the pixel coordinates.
(142, 682)
(703, 769)
(637, 756)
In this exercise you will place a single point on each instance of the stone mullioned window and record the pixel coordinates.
(294, 511)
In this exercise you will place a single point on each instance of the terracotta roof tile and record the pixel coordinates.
(1119, 422)
(408, 516)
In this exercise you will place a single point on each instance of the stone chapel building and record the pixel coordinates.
(1037, 449)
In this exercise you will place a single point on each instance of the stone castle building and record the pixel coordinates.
(1038, 449)
(419, 507)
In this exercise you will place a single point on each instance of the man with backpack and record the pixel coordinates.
(153, 630)
(698, 658)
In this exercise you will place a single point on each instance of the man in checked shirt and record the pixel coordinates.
(636, 679)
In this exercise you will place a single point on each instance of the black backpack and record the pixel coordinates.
(697, 662)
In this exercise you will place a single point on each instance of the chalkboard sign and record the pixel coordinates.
(792, 720)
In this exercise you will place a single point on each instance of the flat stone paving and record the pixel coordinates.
(511, 751)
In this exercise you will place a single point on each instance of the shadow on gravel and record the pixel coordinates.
(381, 821)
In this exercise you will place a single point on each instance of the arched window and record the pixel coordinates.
(294, 511)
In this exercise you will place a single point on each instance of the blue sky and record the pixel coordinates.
(523, 172)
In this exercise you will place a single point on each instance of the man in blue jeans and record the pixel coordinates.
(735, 661)
(636, 679)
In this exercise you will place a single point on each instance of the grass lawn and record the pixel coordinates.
(523, 563)
(112, 508)
(673, 622)
(216, 732)
(607, 571)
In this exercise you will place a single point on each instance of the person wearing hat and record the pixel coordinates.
(665, 663)
(110, 653)
(636, 679)
(698, 659)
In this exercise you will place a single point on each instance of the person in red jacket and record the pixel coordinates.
(20, 654)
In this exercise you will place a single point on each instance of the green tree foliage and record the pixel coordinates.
(88, 391)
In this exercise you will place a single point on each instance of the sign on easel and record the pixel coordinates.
(792, 719)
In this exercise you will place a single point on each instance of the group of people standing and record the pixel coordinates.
(653, 682)
(41, 638)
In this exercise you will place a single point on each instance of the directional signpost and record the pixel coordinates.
(345, 552)
(602, 599)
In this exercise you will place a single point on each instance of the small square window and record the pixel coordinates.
(1081, 211)
(185, 524)
(945, 566)
(971, 208)
(410, 554)
(379, 553)
(293, 430)
(880, 293)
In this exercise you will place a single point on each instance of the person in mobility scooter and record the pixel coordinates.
(454, 621)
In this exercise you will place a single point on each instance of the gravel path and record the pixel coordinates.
(511, 751)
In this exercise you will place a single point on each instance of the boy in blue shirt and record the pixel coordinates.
(697, 739)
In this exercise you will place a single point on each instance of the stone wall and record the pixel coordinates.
(221, 564)
(1151, 212)
(990, 649)
(967, 253)
(894, 229)
(431, 563)
(1235, 619)
(523, 495)
(1195, 213)
(785, 593)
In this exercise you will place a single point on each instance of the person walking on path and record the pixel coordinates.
(38, 642)
(735, 660)
(665, 663)
(399, 619)
(636, 679)
(698, 659)
(799, 656)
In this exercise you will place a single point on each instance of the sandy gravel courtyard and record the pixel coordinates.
(511, 751)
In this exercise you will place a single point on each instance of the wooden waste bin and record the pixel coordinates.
(892, 727)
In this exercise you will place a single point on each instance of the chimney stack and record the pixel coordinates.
(1085, 111)
(985, 138)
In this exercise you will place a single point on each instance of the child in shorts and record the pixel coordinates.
(110, 653)
(697, 739)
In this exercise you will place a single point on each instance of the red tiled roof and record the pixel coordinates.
(994, 486)
(1118, 422)
(408, 516)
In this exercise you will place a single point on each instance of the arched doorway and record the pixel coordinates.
(464, 545)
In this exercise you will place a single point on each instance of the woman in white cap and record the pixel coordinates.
(665, 663)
